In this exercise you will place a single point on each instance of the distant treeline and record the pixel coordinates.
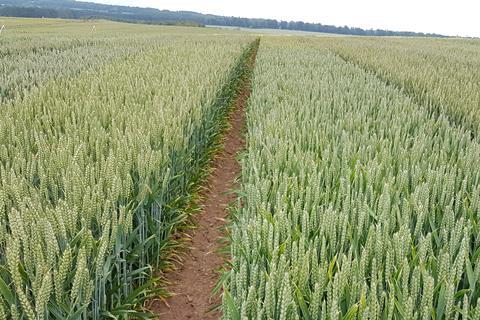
(30, 12)
(70, 9)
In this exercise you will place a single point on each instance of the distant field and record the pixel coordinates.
(56, 26)
(279, 32)
(359, 193)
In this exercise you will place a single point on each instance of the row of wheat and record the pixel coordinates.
(30, 58)
(441, 74)
(357, 202)
(95, 165)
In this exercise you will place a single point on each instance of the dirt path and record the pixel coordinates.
(194, 280)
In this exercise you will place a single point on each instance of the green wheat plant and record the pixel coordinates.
(101, 141)
(356, 201)
(440, 74)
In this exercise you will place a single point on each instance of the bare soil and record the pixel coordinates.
(194, 279)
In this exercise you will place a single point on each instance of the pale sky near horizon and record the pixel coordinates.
(459, 17)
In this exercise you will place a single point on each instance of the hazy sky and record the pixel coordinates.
(451, 17)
